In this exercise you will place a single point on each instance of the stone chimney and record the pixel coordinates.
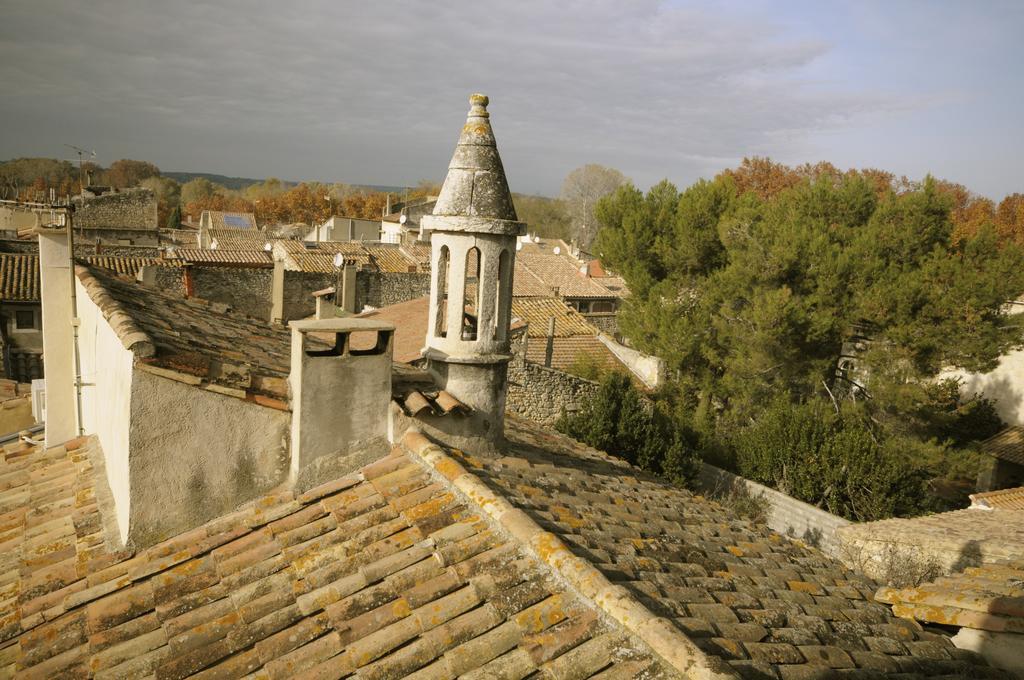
(56, 285)
(473, 246)
(340, 393)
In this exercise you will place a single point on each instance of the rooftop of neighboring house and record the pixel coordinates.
(237, 239)
(241, 258)
(559, 270)
(987, 598)
(1005, 499)
(312, 257)
(216, 219)
(192, 340)
(19, 277)
(1007, 445)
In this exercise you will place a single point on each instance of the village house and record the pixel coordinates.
(117, 217)
(235, 499)
(338, 228)
(219, 221)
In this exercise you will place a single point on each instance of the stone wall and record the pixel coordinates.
(131, 209)
(539, 393)
(606, 322)
(786, 514)
(245, 289)
(380, 289)
(83, 247)
(298, 292)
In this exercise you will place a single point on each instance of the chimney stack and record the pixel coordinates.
(56, 288)
(473, 246)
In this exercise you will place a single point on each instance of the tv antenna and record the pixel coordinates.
(82, 153)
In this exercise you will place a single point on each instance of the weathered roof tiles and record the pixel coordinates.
(384, 573)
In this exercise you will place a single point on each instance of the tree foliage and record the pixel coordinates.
(581, 190)
(126, 173)
(749, 286)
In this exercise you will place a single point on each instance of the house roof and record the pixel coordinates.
(377, 574)
(989, 597)
(1006, 499)
(567, 352)
(738, 593)
(985, 535)
(125, 266)
(238, 239)
(1007, 445)
(314, 257)
(527, 284)
(194, 341)
(231, 220)
(557, 271)
(241, 258)
(537, 312)
(19, 277)
(410, 321)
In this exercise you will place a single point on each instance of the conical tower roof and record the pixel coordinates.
(475, 195)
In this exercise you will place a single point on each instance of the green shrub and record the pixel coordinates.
(622, 422)
(835, 461)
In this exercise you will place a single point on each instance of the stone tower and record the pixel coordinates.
(473, 247)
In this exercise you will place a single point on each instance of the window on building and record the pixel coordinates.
(24, 319)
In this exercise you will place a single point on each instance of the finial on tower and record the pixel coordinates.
(478, 106)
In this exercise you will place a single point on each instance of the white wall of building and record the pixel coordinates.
(106, 402)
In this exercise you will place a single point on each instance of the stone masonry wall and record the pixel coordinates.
(539, 393)
(132, 209)
(298, 293)
(380, 289)
(786, 514)
(606, 322)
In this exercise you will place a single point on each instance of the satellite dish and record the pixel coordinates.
(403, 219)
(519, 246)
(339, 260)
(213, 244)
(268, 247)
(536, 239)
(557, 251)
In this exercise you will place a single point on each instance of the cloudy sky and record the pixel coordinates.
(374, 92)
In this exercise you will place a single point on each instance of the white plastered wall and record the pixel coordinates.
(106, 401)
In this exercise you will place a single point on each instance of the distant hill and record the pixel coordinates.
(236, 183)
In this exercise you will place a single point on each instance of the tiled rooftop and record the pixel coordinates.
(990, 597)
(319, 257)
(231, 220)
(19, 277)
(569, 351)
(241, 258)
(1008, 445)
(537, 312)
(1006, 499)
(193, 340)
(384, 573)
(125, 266)
(769, 607)
(410, 321)
(238, 239)
(974, 535)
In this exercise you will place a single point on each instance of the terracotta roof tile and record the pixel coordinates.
(567, 351)
(989, 597)
(193, 340)
(560, 271)
(1007, 445)
(125, 266)
(747, 596)
(19, 277)
(1006, 499)
(244, 258)
(537, 312)
(237, 239)
(347, 578)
